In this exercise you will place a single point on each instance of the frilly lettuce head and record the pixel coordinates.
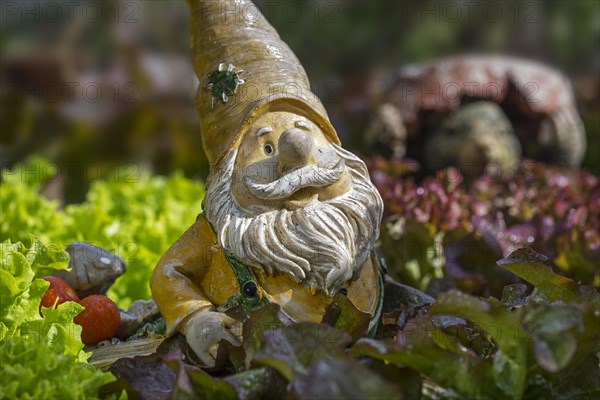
(40, 356)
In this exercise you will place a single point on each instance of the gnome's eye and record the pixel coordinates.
(268, 149)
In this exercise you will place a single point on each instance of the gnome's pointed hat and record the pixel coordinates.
(244, 69)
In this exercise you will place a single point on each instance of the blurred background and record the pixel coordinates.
(92, 85)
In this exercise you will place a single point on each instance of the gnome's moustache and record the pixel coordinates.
(290, 183)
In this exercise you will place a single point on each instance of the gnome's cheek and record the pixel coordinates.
(305, 196)
(336, 189)
(239, 187)
(245, 199)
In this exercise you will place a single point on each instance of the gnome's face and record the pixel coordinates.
(285, 161)
(286, 199)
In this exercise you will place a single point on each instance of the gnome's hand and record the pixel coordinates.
(204, 330)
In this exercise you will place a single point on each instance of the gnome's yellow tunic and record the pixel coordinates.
(195, 275)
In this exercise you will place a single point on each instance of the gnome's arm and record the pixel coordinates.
(173, 280)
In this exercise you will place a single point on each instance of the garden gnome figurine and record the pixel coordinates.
(290, 217)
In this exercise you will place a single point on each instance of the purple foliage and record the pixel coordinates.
(553, 210)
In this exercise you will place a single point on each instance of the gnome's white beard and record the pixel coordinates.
(322, 245)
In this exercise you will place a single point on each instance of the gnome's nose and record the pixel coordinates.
(295, 150)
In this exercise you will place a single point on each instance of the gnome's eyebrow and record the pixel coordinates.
(263, 130)
(302, 125)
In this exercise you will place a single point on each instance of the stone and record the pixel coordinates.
(536, 99)
(138, 313)
(93, 269)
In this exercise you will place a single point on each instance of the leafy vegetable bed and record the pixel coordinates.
(534, 334)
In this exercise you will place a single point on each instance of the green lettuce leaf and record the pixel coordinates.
(22, 290)
(30, 371)
(41, 355)
(136, 217)
(23, 210)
